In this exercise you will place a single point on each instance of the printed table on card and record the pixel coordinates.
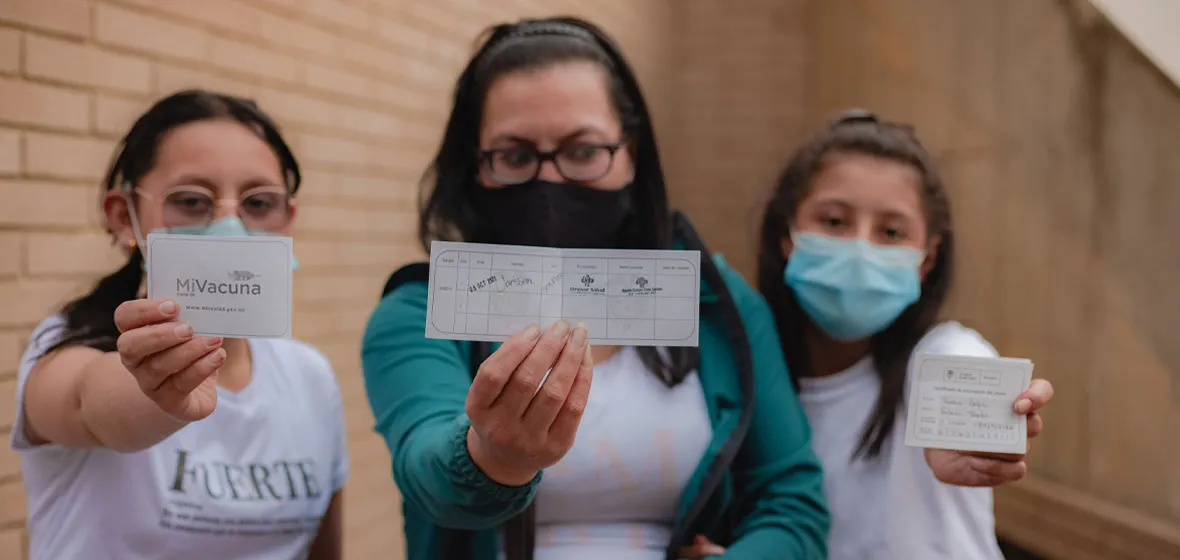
(624, 297)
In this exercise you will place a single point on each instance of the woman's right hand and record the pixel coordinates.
(176, 370)
(519, 426)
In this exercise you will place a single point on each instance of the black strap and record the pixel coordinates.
(520, 531)
(413, 272)
(732, 324)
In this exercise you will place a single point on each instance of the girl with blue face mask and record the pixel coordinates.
(181, 446)
(856, 261)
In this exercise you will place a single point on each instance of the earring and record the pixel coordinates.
(131, 244)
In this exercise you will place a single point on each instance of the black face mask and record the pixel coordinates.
(545, 214)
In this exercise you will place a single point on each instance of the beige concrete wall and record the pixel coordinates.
(1058, 141)
(361, 88)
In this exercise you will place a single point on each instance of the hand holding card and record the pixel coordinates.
(234, 287)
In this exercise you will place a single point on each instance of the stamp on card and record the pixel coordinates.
(625, 297)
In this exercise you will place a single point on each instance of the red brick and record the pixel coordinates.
(230, 15)
(339, 13)
(42, 105)
(38, 203)
(28, 301)
(11, 253)
(11, 348)
(72, 253)
(323, 149)
(80, 64)
(338, 81)
(10, 152)
(290, 34)
(12, 541)
(9, 466)
(10, 50)
(115, 115)
(12, 504)
(70, 17)
(256, 61)
(135, 30)
(7, 402)
(88, 157)
(295, 107)
(170, 78)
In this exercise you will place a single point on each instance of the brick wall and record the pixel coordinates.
(361, 88)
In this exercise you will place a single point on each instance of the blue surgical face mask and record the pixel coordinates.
(851, 288)
(230, 226)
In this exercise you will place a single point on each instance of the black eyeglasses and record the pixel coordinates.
(578, 162)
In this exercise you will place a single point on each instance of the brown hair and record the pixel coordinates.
(858, 132)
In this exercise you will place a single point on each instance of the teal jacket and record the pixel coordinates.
(417, 388)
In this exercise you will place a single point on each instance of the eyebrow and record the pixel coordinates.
(888, 212)
(506, 136)
(203, 181)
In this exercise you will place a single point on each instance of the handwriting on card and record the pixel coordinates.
(967, 403)
(639, 298)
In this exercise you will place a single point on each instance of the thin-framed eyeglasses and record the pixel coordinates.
(265, 208)
(578, 162)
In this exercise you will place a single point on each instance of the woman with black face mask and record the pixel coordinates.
(512, 449)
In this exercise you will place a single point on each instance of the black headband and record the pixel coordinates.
(864, 116)
(551, 28)
(852, 116)
(525, 31)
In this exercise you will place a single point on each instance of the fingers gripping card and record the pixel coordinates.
(966, 403)
(625, 297)
(236, 287)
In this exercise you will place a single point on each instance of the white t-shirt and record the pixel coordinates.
(251, 481)
(892, 507)
(615, 494)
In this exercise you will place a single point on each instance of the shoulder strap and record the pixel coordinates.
(731, 320)
(413, 272)
(454, 543)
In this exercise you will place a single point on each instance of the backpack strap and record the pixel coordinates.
(413, 272)
(731, 320)
(458, 544)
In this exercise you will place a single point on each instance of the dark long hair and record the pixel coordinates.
(859, 132)
(90, 319)
(447, 212)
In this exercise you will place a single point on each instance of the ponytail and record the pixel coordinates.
(90, 319)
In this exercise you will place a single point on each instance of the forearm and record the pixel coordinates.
(436, 474)
(329, 542)
(113, 408)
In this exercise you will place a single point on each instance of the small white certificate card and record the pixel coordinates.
(234, 287)
(966, 403)
(625, 297)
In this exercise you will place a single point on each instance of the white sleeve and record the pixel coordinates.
(42, 338)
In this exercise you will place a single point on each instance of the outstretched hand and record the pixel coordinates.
(971, 468)
(176, 370)
(519, 425)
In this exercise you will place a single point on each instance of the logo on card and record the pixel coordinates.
(239, 283)
(587, 283)
(641, 288)
(242, 275)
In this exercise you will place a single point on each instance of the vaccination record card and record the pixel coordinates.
(966, 403)
(484, 292)
(236, 287)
